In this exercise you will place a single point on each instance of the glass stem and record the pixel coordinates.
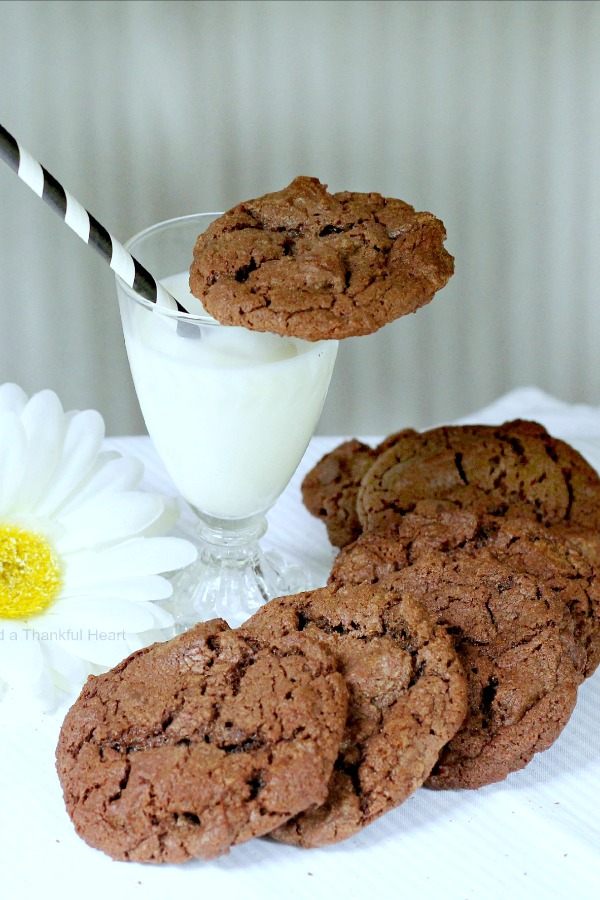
(232, 576)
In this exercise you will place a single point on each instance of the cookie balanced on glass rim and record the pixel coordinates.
(305, 263)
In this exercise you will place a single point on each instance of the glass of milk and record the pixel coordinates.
(230, 412)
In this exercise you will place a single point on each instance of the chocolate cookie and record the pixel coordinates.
(315, 265)
(330, 489)
(194, 745)
(407, 699)
(559, 557)
(517, 466)
(519, 606)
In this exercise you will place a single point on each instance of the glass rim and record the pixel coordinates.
(199, 318)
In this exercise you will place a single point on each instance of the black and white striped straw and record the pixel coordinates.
(83, 223)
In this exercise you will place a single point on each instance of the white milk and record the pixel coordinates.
(230, 412)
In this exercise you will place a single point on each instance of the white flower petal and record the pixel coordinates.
(170, 512)
(44, 422)
(38, 407)
(85, 433)
(163, 620)
(111, 473)
(104, 653)
(61, 492)
(136, 557)
(21, 661)
(39, 695)
(13, 446)
(165, 522)
(72, 669)
(134, 590)
(107, 519)
(109, 614)
(79, 452)
(12, 398)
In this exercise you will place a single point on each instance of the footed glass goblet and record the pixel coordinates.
(230, 413)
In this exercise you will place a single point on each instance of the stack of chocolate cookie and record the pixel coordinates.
(496, 531)
(323, 712)
(446, 650)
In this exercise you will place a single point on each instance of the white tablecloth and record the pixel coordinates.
(537, 834)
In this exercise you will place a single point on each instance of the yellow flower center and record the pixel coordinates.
(30, 576)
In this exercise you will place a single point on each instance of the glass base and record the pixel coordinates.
(232, 576)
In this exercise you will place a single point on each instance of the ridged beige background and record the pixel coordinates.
(486, 113)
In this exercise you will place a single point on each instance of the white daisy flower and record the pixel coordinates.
(81, 550)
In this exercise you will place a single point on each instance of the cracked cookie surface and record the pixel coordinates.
(515, 467)
(523, 615)
(194, 745)
(407, 697)
(330, 489)
(306, 263)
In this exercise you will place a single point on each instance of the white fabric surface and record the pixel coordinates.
(534, 835)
